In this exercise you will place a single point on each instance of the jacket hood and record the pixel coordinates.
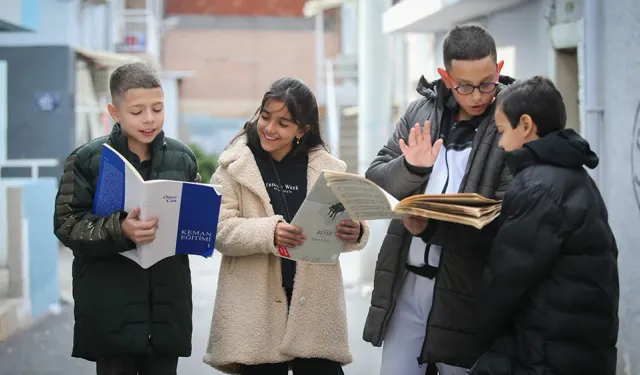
(433, 88)
(564, 148)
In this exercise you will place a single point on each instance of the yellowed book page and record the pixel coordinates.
(474, 211)
(477, 223)
(363, 199)
(466, 199)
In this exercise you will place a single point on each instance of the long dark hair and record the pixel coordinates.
(301, 104)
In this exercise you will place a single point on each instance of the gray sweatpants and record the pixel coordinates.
(406, 332)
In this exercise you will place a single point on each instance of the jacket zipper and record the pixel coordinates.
(435, 284)
(446, 160)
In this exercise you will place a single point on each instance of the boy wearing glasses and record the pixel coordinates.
(422, 306)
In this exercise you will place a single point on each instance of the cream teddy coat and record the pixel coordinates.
(250, 322)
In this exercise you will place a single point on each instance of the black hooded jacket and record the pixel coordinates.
(548, 302)
(450, 335)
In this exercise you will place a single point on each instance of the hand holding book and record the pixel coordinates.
(348, 230)
(364, 200)
(288, 235)
(188, 211)
(141, 232)
(415, 224)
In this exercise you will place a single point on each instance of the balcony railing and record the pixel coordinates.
(138, 33)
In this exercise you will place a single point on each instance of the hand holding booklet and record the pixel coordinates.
(364, 200)
(338, 196)
(187, 212)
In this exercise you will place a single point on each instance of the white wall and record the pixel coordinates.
(95, 28)
(58, 26)
(525, 30)
(521, 35)
(63, 23)
(421, 57)
(171, 107)
(12, 11)
(621, 73)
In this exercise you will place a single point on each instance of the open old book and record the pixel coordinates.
(364, 200)
(187, 212)
(337, 196)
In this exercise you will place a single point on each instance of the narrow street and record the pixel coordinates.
(45, 348)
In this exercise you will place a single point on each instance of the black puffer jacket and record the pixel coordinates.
(549, 296)
(121, 308)
(450, 335)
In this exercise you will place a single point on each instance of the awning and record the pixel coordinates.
(106, 59)
(427, 16)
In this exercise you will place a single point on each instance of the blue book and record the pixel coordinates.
(187, 212)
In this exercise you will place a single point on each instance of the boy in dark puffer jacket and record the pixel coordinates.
(548, 302)
(128, 319)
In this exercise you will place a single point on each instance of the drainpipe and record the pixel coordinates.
(593, 107)
(320, 59)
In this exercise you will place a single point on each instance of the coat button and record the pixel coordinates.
(302, 300)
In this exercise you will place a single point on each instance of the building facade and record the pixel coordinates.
(57, 74)
(235, 49)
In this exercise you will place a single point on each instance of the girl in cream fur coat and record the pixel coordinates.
(272, 314)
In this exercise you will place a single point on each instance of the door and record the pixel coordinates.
(568, 83)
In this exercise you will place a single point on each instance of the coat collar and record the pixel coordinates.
(121, 142)
(242, 167)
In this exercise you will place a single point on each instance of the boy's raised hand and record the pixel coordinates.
(138, 231)
(419, 151)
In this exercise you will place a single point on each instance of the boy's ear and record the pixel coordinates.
(445, 77)
(528, 126)
(499, 67)
(113, 111)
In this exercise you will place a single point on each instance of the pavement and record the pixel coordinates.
(45, 348)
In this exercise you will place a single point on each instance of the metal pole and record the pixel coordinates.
(320, 59)
(4, 107)
(332, 109)
(591, 60)
(374, 84)
(4, 110)
(374, 110)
